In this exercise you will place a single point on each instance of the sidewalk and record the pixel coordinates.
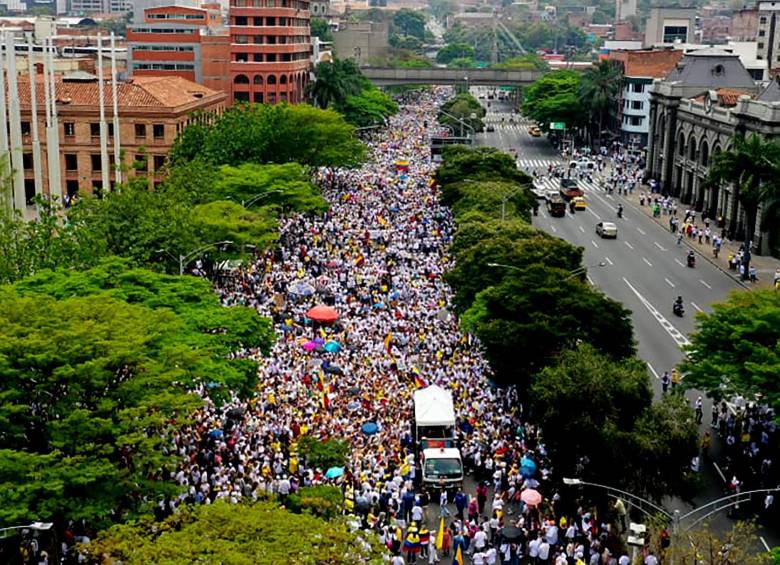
(765, 264)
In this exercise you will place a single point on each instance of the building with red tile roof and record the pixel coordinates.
(152, 111)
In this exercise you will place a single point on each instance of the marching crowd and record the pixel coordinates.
(377, 257)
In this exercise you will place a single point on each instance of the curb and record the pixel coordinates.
(695, 250)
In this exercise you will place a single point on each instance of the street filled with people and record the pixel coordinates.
(374, 262)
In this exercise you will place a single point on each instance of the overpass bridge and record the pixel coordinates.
(386, 76)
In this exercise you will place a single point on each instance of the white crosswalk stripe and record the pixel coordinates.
(550, 183)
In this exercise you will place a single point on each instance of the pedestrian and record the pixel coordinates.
(706, 441)
(665, 381)
(699, 410)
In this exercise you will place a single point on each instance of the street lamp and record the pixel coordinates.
(675, 517)
(509, 195)
(182, 259)
(574, 273)
(258, 197)
(460, 121)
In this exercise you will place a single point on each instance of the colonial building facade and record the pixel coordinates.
(695, 114)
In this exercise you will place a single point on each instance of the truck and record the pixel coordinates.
(441, 464)
(556, 207)
(570, 189)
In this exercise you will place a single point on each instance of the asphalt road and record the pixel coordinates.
(644, 269)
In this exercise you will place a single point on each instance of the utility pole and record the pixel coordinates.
(494, 50)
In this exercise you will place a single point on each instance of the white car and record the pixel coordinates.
(606, 229)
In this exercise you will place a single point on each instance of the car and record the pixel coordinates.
(550, 194)
(584, 164)
(491, 127)
(606, 229)
(579, 203)
(534, 131)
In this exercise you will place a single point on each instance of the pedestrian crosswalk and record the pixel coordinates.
(528, 165)
(548, 183)
(507, 118)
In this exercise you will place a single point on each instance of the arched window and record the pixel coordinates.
(258, 79)
(283, 79)
(681, 144)
(241, 79)
(271, 79)
(704, 153)
(692, 148)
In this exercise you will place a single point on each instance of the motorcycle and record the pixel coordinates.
(691, 261)
(678, 309)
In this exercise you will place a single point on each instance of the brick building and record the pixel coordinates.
(186, 41)
(152, 111)
(270, 51)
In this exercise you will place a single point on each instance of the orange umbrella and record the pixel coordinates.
(323, 314)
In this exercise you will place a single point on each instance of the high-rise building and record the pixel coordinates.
(179, 40)
(768, 35)
(270, 50)
(667, 26)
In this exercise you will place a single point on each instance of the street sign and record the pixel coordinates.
(557, 125)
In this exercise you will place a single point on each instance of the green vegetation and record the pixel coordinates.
(323, 501)
(239, 534)
(324, 454)
(555, 98)
(454, 51)
(341, 86)
(97, 367)
(599, 90)
(735, 350)
(463, 113)
(320, 28)
(528, 62)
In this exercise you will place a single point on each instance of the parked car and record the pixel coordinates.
(606, 229)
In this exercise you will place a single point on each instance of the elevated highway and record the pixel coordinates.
(385, 76)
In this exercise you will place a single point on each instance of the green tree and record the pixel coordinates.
(527, 62)
(752, 165)
(472, 271)
(238, 534)
(369, 108)
(320, 28)
(554, 98)
(497, 199)
(454, 51)
(406, 42)
(323, 501)
(90, 385)
(410, 22)
(334, 81)
(735, 350)
(462, 112)
(599, 89)
(462, 63)
(529, 318)
(475, 227)
(323, 454)
(227, 221)
(460, 163)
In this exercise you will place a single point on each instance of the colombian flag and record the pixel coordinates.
(458, 557)
(440, 535)
(419, 382)
(388, 342)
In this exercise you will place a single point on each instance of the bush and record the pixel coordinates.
(324, 454)
(322, 501)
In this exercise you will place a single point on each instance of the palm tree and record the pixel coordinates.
(334, 81)
(752, 165)
(599, 90)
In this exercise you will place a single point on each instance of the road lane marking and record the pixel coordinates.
(590, 280)
(764, 543)
(581, 229)
(594, 244)
(552, 227)
(705, 284)
(649, 366)
(608, 260)
(670, 283)
(661, 247)
(629, 245)
(679, 262)
(673, 332)
(694, 305)
(594, 213)
(640, 230)
(649, 264)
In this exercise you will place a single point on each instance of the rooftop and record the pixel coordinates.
(726, 96)
(152, 93)
(648, 63)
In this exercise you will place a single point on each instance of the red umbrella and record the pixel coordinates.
(531, 497)
(323, 314)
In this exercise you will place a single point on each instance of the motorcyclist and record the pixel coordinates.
(677, 307)
(691, 258)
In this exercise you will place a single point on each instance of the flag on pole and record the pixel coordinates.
(419, 382)
(440, 535)
(458, 557)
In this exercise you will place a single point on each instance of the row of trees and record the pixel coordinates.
(585, 100)
(523, 293)
(463, 114)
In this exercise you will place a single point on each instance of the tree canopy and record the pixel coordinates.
(476, 164)
(462, 112)
(96, 367)
(735, 350)
(278, 133)
(410, 22)
(454, 51)
(555, 98)
(240, 534)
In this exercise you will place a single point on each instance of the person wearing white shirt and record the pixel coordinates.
(478, 558)
(491, 555)
(651, 560)
(624, 560)
(480, 540)
(544, 552)
(533, 549)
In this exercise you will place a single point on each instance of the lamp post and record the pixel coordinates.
(576, 272)
(675, 517)
(259, 197)
(182, 259)
(460, 121)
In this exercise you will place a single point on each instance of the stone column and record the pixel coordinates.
(651, 148)
(668, 163)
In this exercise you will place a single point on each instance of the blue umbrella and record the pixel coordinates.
(333, 347)
(353, 405)
(334, 472)
(527, 467)
(370, 428)
(216, 434)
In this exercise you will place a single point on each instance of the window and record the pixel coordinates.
(140, 131)
(97, 165)
(159, 162)
(25, 128)
(241, 96)
(638, 87)
(258, 97)
(29, 190)
(72, 187)
(27, 161)
(761, 33)
(94, 129)
(71, 162)
(257, 21)
(241, 21)
(270, 57)
(97, 188)
(158, 131)
(636, 104)
(760, 45)
(675, 33)
(242, 57)
(762, 20)
(69, 128)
